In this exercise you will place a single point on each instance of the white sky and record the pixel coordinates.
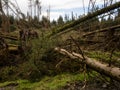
(58, 7)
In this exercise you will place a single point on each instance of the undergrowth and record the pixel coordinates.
(48, 82)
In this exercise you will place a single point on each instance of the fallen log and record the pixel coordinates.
(14, 49)
(10, 48)
(13, 45)
(112, 71)
(9, 37)
(101, 30)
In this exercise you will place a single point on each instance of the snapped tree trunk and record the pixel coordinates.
(113, 72)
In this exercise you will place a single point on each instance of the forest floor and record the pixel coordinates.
(92, 85)
(62, 82)
(70, 81)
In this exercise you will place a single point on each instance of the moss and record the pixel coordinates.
(47, 83)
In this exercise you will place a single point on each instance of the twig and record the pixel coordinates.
(59, 63)
(80, 50)
(84, 65)
(112, 51)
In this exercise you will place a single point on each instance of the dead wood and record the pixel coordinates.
(87, 17)
(101, 30)
(9, 37)
(112, 71)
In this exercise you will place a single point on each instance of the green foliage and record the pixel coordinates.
(60, 20)
(47, 83)
(53, 23)
(40, 60)
(66, 18)
(105, 57)
(11, 19)
(54, 83)
(98, 55)
(12, 28)
(45, 22)
(36, 66)
(8, 73)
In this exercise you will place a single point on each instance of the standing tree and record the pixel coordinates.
(60, 20)
(66, 18)
(37, 8)
(72, 16)
(53, 23)
(45, 22)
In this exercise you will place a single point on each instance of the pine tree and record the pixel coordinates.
(60, 20)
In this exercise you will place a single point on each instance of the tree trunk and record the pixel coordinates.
(101, 30)
(87, 17)
(113, 72)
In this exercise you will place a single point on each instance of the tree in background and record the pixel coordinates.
(37, 8)
(66, 18)
(118, 10)
(53, 23)
(11, 19)
(45, 22)
(72, 16)
(60, 20)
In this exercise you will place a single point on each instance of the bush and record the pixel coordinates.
(35, 66)
(8, 73)
(12, 28)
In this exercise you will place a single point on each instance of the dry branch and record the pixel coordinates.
(113, 72)
(10, 48)
(101, 30)
(13, 45)
(9, 37)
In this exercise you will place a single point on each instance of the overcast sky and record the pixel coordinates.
(59, 7)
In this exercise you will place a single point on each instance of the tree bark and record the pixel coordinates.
(113, 72)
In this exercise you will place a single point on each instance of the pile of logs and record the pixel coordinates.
(5, 45)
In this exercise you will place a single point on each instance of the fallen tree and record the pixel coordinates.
(112, 71)
(12, 47)
(85, 18)
(15, 49)
(9, 37)
(101, 30)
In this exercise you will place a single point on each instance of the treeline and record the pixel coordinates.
(101, 21)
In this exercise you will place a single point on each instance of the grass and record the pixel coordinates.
(5, 83)
(47, 83)
(117, 54)
(60, 81)
(105, 57)
(98, 55)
